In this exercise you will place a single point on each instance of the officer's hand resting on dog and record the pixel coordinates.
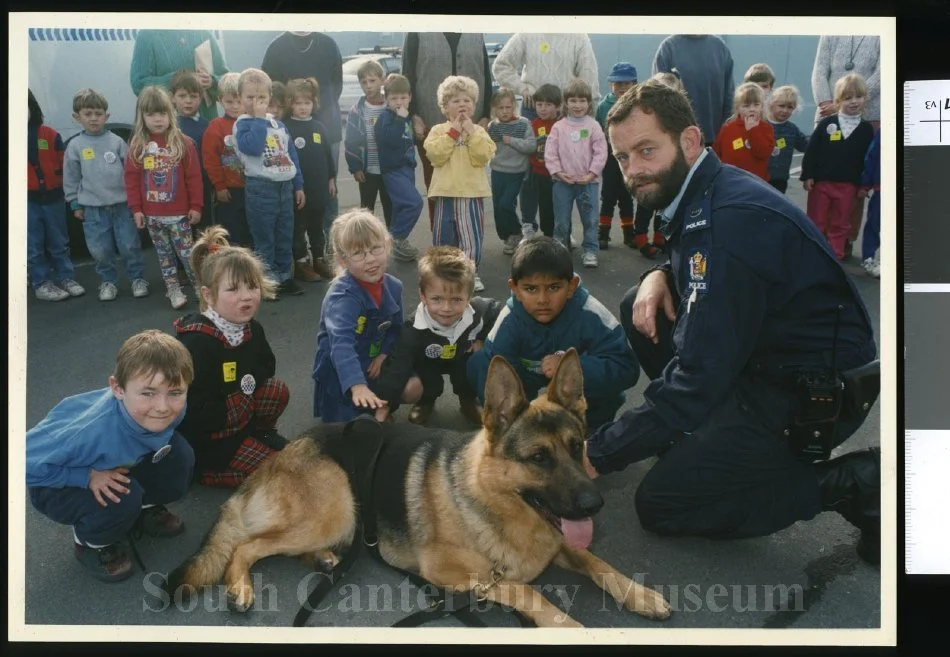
(653, 294)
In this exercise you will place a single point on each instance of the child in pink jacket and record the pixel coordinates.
(575, 154)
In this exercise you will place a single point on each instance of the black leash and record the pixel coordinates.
(462, 605)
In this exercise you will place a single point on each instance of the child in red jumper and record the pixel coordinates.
(746, 140)
(164, 186)
(224, 167)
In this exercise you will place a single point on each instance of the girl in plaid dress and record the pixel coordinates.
(235, 400)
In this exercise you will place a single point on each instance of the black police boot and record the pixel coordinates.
(851, 485)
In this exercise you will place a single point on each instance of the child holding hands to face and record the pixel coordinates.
(746, 140)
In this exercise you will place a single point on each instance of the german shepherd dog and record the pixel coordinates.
(489, 511)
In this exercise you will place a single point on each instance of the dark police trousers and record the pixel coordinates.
(735, 475)
(151, 483)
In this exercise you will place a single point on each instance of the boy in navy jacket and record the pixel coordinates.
(548, 312)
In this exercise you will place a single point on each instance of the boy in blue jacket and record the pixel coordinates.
(397, 161)
(359, 144)
(106, 460)
(548, 312)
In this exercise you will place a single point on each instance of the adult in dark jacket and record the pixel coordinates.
(295, 55)
(725, 330)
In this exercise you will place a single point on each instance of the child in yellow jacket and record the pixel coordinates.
(459, 151)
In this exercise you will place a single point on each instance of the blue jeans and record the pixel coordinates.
(586, 197)
(529, 199)
(46, 233)
(332, 208)
(406, 201)
(270, 216)
(504, 197)
(106, 228)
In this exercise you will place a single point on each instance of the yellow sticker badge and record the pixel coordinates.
(542, 131)
(148, 162)
(780, 142)
(360, 324)
(448, 352)
(737, 143)
(317, 139)
(271, 141)
(836, 136)
(88, 154)
(229, 371)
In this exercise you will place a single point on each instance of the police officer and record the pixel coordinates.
(751, 315)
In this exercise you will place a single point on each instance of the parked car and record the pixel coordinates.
(388, 58)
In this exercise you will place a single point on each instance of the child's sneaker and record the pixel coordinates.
(72, 287)
(107, 291)
(177, 298)
(479, 286)
(47, 291)
(158, 521)
(107, 564)
(590, 259)
(528, 231)
(403, 250)
(511, 244)
(139, 288)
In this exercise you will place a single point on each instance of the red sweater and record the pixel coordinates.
(746, 149)
(541, 130)
(219, 155)
(158, 187)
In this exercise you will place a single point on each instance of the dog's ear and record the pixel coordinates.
(504, 396)
(567, 384)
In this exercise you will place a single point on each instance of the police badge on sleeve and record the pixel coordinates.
(699, 271)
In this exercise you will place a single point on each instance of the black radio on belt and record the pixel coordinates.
(820, 392)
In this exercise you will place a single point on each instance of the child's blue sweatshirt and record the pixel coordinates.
(92, 430)
(788, 139)
(266, 149)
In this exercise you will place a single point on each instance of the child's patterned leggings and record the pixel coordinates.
(172, 236)
(460, 222)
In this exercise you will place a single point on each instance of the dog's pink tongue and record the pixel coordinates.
(578, 533)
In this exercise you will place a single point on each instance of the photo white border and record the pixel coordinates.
(19, 23)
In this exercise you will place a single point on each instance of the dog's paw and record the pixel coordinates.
(240, 597)
(648, 603)
(325, 561)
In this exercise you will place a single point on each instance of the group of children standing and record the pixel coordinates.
(841, 162)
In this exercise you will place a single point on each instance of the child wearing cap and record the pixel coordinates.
(623, 76)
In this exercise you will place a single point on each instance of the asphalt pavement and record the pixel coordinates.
(806, 576)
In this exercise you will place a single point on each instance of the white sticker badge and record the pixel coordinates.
(161, 453)
(300, 142)
(248, 384)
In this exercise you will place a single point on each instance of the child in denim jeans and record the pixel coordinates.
(575, 154)
(273, 182)
(94, 185)
(52, 277)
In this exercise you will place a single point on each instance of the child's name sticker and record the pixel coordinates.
(575, 135)
(248, 384)
(542, 131)
(300, 142)
(780, 142)
(152, 147)
(161, 453)
(747, 144)
(229, 140)
(317, 139)
(360, 324)
(585, 133)
(738, 143)
(271, 141)
(776, 151)
(109, 157)
(149, 162)
(836, 136)
(448, 352)
(42, 144)
(832, 128)
(273, 122)
(88, 154)
(229, 370)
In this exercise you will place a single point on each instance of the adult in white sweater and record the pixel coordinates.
(529, 60)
